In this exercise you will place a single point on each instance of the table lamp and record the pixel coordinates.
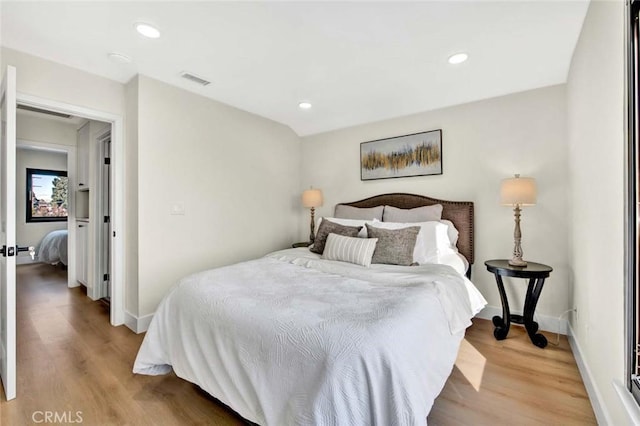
(312, 198)
(518, 192)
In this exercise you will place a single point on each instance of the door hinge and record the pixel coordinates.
(107, 219)
(107, 161)
(105, 277)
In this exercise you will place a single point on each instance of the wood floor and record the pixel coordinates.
(73, 363)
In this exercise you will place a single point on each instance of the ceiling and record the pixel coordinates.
(356, 62)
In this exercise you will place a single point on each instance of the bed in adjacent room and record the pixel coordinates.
(53, 248)
(306, 338)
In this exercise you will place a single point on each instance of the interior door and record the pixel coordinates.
(8, 233)
(105, 241)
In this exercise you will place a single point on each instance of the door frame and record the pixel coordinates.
(70, 152)
(118, 265)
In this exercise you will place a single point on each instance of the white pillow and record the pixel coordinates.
(362, 213)
(349, 249)
(418, 214)
(453, 233)
(432, 243)
(347, 222)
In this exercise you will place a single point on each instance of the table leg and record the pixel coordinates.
(503, 323)
(533, 293)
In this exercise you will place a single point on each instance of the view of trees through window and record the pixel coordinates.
(47, 195)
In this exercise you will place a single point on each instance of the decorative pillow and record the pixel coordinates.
(349, 249)
(395, 246)
(349, 212)
(347, 222)
(432, 242)
(419, 214)
(327, 227)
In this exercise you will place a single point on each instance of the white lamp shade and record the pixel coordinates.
(518, 191)
(312, 198)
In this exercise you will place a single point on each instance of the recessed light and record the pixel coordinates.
(458, 58)
(119, 58)
(147, 30)
(305, 105)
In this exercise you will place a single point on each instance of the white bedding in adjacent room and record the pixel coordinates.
(53, 247)
(292, 339)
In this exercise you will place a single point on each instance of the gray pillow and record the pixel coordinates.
(327, 227)
(349, 212)
(395, 246)
(419, 214)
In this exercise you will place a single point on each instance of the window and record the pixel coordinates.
(47, 195)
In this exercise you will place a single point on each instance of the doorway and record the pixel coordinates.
(10, 98)
(113, 260)
(83, 192)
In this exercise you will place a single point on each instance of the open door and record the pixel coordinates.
(8, 250)
(104, 144)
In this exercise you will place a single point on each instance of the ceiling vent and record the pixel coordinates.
(43, 111)
(192, 77)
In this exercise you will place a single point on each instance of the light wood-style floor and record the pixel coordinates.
(71, 360)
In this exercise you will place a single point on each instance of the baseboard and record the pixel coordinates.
(545, 322)
(137, 324)
(597, 403)
(131, 322)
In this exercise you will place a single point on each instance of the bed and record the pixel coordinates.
(53, 248)
(293, 338)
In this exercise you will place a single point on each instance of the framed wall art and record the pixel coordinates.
(418, 154)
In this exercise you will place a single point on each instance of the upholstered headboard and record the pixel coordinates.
(458, 212)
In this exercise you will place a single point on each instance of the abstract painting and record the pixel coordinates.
(418, 154)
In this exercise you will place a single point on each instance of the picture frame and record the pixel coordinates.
(416, 154)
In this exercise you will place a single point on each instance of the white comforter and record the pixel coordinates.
(291, 339)
(53, 247)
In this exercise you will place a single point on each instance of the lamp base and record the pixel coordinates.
(312, 227)
(517, 262)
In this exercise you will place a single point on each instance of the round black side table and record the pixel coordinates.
(536, 274)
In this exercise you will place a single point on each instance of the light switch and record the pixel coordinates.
(177, 209)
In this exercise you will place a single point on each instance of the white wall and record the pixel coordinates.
(36, 129)
(483, 142)
(596, 100)
(50, 80)
(131, 196)
(30, 234)
(235, 173)
(1, 58)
